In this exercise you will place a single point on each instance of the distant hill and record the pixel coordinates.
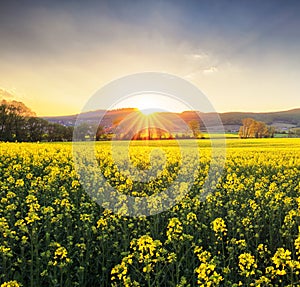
(289, 117)
(282, 120)
(109, 117)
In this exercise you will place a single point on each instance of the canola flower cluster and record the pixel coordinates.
(246, 233)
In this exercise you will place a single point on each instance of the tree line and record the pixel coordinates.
(19, 123)
(255, 129)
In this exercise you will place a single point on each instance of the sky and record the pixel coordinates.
(243, 55)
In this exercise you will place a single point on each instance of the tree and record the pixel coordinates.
(19, 123)
(246, 128)
(271, 131)
(37, 129)
(13, 117)
(101, 133)
(84, 131)
(255, 129)
(57, 132)
(294, 132)
(260, 130)
(194, 125)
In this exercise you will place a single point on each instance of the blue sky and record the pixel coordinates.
(244, 55)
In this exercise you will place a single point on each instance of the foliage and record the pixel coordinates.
(294, 132)
(18, 123)
(255, 129)
(194, 125)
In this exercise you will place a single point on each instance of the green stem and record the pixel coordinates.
(31, 263)
(61, 278)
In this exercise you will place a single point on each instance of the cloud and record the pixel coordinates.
(6, 95)
(210, 70)
(201, 63)
(59, 53)
(198, 56)
(10, 95)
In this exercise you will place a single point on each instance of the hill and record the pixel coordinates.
(281, 120)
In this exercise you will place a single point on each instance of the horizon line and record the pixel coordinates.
(176, 112)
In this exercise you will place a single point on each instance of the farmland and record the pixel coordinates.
(246, 233)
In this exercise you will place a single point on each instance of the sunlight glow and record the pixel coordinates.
(149, 103)
(138, 125)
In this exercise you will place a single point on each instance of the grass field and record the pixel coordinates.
(246, 233)
(226, 135)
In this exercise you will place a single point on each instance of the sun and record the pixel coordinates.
(149, 103)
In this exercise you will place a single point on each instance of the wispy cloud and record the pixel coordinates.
(5, 94)
(210, 70)
(10, 95)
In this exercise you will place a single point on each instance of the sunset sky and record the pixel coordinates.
(244, 55)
